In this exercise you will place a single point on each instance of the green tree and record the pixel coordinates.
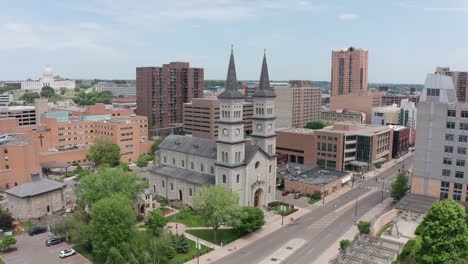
(445, 234)
(112, 219)
(363, 227)
(161, 250)
(13, 104)
(6, 220)
(103, 151)
(217, 206)
(155, 220)
(47, 91)
(251, 219)
(63, 90)
(344, 244)
(107, 182)
(29, 97)
(7, 242)
(399, 186)
(143, 160)
(182, 245)
(315, 125)
(155, 145)
(114, 257)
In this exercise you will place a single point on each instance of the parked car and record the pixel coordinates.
(67, 253)
(37, 230)
(284, 193)
(54, 241)
(297, 195)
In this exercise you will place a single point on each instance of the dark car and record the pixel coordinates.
(54, 241)
(37, 230)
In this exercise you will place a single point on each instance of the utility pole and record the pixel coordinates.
(323, 177)
(282, 212)
(383, 186)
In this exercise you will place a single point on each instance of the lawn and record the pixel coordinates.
(312, 200)
(223, 235)
(182, 258)
(187, 218)
(1, 261)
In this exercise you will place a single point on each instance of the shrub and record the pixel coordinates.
(276, 203)
(163, 202)
(363, 227)
(251, 219)
(344, 244)
(316, 195)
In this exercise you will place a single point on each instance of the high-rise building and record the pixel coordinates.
(441, 143)
(307, 105)
(460, 81)
(349, 72)
(162, 91)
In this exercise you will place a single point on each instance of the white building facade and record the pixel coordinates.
(48, 79)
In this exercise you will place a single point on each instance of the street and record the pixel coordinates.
(319, 228)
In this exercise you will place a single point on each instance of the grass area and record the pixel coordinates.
(384, 229)
(1, 261)
(312, 200)
(223, 235)
(182, 258)
(187, 218)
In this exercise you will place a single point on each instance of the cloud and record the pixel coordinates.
(446, 9)
(348, 16)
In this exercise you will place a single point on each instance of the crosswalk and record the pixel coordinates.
(377, 188)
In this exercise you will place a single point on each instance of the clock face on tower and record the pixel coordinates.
(259, 127)
(225, 132)
(237, 132)
(269, 126)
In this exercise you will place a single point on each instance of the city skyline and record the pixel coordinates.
(108, 40)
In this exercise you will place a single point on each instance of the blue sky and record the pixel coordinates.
(109, 38)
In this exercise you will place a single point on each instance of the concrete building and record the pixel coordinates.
(460, 82)
(390, 99)
(386, 115)
(25, 114)
(36, 198)
(442, 142)
(401, 140)
(185, 164)
(117, 89)
(6, 98)
(283, 106)
(357, 103)
(408, 117)
(340, 115)
(18, 160)
(201, 117)
(162, 91)
(48, 79)
(298, 144)
(125, 103)
(349, 72)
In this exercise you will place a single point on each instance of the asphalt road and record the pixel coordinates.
(319, 228)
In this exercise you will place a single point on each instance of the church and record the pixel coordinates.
(185, 164)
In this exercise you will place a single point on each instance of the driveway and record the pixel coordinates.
(302, 202)
(32, 249)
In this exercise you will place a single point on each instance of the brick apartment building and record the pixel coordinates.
(201, 117)
(460, 82)
(390, 99)
(349, 72)
(162, 91)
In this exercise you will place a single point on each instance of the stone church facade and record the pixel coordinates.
(186, 164)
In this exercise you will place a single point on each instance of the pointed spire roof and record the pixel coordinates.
(264, 89)
(230, 87)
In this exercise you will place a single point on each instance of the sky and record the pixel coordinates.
(108, 39)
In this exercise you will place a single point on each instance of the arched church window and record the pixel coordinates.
(163, 183)
(190, 191)
(224, 178)
(191, 165)
(172, 186)
(238, 178)
(269, 169)
(212, 170)
(202, 168)
(183, 163)
(165, 159)
(257, 164)
(173, 161)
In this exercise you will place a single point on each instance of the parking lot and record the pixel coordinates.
(301, 202)
(32, 250)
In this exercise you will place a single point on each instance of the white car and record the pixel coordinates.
(67, 252)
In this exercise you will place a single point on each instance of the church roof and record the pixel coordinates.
(183, 174)
(230, 87)
(190, 145)
(264, 89)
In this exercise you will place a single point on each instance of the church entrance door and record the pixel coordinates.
(258, 198)
(180, 195)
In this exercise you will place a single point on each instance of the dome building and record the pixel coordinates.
(48, 79)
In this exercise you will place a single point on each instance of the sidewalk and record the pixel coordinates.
(385, 166)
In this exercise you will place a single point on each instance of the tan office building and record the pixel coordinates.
(340, 115)
(460, 82)
(349, 72)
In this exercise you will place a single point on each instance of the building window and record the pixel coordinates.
(165, 161)
(446, 173)
(460, 163)
(173, 161)
(5, 151)
(451, 113)
(461, 151)
(269, 169)
(212, 169)
(457, 190)
(447, 161)
(463, 126)
(224, 178)
(449, 137)
(450, 125)
(183, 163)
(163, 183)
(464, 114)
(172, 186)
(257, 164)
(444, 189)
(433, 92)
(202, 168)
(190, 191)
(448, 149)
(7, 167)
(462, 138)
(238, 178)
(192, 165)
(459, 174)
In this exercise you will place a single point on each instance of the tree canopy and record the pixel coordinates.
(29, 97)
(155, 145)
(112, 219)
(103, 151)
(315, 125)
(107, 182)
(93, 98)
(217, 206)
(399, 186)
(155, 220)
(251, 219)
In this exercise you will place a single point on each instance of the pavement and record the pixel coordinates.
(32, 249)
(319, 225)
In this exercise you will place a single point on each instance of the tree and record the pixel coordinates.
(6, 220)
(399, 186)
(143, 160)
(107, 182)
(112, 219)
(363, 227)
(344, 244)
(182, 244)
(47, 91)
(315, 125)
(251, 219)
(155, 220)
(445, 234)
(7, 242)
(63, 90)
(13, 104)
(155, 145)
(217, 206)
(29, 97)
(160, 250)
(103, 151)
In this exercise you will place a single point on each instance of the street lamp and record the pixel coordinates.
(282, 212)
(323, 177)
(383, 186)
